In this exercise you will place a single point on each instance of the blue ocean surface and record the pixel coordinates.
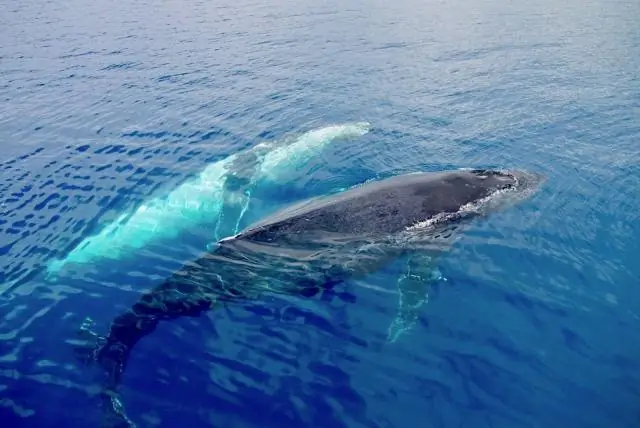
(536, 323)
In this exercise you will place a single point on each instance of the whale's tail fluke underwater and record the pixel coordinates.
(221, 187)
(312, 246)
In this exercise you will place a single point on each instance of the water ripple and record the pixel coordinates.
(104, 106)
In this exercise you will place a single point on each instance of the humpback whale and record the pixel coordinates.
(312, 246)
(221, 190)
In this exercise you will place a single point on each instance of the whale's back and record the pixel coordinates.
(378, 208)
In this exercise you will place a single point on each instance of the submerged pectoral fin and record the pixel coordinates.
(413, 286)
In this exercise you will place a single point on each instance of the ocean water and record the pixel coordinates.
(104, 105)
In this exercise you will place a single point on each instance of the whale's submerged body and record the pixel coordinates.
(317, 244)
(221, 189)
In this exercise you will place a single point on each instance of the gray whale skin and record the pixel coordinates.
(314, 245)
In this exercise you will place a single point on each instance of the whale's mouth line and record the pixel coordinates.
(465, 211)
(524, 186)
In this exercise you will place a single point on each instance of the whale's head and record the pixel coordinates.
(468, 193)
(496, 189)
(504, 188)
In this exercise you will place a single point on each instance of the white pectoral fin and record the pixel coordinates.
(234, 208)
(239, 184)
(413, 286)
